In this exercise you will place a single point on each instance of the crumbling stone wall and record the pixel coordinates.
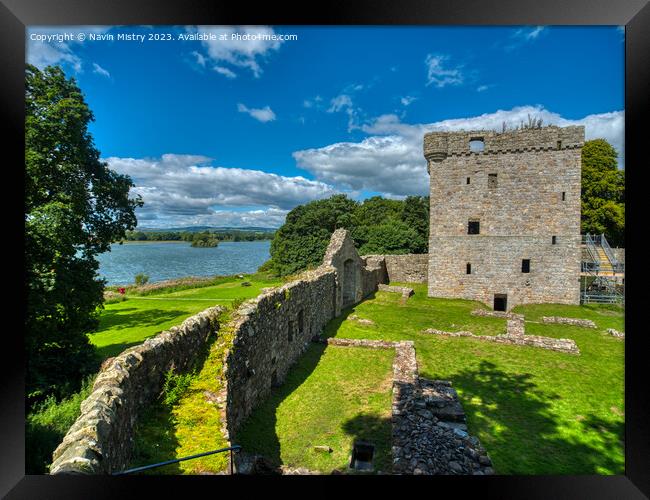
(407, 268)
(272, 331)
(523, 189)
(101, 439)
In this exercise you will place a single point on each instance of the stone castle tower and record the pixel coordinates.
(505, 215)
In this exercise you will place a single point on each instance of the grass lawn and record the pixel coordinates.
(331, 397)
(535, 411)
(128, 323)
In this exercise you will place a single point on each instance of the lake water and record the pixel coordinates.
(163, 261)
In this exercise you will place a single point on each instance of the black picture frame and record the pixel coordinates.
(634, 14)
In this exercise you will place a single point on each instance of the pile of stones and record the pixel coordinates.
(616, 333)
(404, 291)
(585, 323)
(430, 434)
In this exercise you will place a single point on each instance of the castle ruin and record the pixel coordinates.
(505, 215)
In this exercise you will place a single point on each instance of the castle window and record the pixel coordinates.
(559, 145)
(473, 227)
(292, 326)
(563, 196)
(469, 268)
(476, 145)
(492, 180)
(554, 240)
(468, 180)
(525, 265)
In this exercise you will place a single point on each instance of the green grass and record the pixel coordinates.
(536, 411)
(331, 397)
(191, 425)
(128, 323)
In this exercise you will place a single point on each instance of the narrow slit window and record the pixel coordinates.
(291, 329)
(492, 181)
(559, 145)
(473, 227)
(563, 196)
(468, 180)
(525, 265)
(468, 268)
(554, 240)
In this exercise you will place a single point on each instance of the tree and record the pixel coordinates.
(603, 192)
(75, 207)
(302, 240)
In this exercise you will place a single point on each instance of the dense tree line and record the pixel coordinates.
(190, 235)
(377, 226)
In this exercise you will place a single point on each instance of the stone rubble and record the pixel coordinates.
(586, 323)
(616, 333)
(361, 321)
(496, 314)
(405, 291)
(562, 345)
(429, 433)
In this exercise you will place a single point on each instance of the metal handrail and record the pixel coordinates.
(608, 251)
(176, 460)
(592, 251)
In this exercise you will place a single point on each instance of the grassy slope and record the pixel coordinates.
(128, 323)
(331, 397)
(536, 411)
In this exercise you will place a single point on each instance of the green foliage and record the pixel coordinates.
(48, 423)
(230, 235)
(141, 279)
(204, 240)
(377, 225)
(75, 207)
(603, 192)
(175, 386)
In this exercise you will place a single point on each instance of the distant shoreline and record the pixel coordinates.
(188, 243)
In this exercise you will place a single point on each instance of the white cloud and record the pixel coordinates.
(482, 88)
(407, 100)
(42, 53)
(241, 53)
(263, 115)
(179, 188)
(390, 160)
(225, 71)
(100, 71)
(440, 76)
(529, 33)
(200, 58)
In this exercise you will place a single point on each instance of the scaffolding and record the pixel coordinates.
(602, 277)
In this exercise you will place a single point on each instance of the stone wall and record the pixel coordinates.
(272, 331)
(410, 268)
(100, 441)
(523, 189)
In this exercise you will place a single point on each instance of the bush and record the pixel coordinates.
(175, 385)
(48, 423)
(141, 279)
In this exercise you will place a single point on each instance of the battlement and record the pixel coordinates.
(440, 145)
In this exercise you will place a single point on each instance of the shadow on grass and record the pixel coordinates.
(132, 317)
(155, 432)
(376, 430)
(258, 435)
(334, 324)
(511, 413)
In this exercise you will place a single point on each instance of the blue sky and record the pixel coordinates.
(238, 132)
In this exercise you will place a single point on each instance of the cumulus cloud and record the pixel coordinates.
(439, 75)
(263, 115)
(241, 53)
(390, 160)
(183, 187)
